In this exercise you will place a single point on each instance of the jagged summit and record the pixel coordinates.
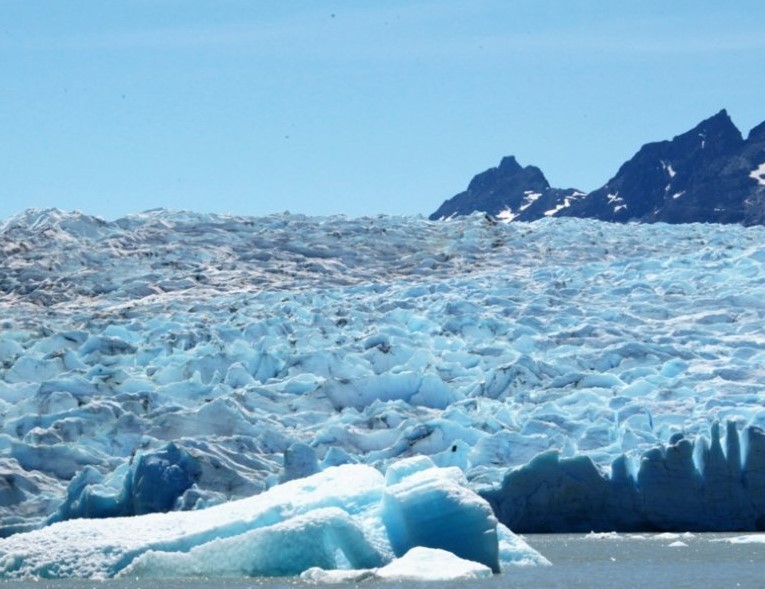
(718, 124)
(708, 174)
(510, 191)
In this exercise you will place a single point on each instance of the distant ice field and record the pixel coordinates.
(235, 353)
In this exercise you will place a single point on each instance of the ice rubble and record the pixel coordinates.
(347, 518)
(213, 357)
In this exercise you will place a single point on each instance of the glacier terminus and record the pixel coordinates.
(194, 394)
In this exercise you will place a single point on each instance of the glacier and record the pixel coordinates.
(178, 362)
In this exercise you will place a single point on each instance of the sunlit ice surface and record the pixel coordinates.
(176, 361)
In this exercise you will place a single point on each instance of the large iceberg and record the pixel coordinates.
(177, 361)
(347, 518)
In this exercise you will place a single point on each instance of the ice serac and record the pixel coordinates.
(681, 486)
(299, 461)
(552, 495)
(343, 518)
(753, 474)
(420, 509)
(154, 482)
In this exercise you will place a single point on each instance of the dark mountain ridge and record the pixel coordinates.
(710, 174)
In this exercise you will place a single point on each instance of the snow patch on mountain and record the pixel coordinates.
(759, 174)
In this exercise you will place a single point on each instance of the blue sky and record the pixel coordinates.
(354, 107)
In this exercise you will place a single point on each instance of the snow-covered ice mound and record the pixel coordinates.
(419, 564)
(347, 517)
(178, 360)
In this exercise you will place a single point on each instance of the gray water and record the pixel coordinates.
(625, 561)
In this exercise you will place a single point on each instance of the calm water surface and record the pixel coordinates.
(626, 561)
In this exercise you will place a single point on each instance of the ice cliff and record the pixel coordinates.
(682, 486)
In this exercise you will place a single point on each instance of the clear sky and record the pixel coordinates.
(350, 106)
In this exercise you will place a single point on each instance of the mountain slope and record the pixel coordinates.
(509, 191)
(710, 174)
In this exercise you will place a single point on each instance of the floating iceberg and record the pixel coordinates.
(346, 518)
(418, 564)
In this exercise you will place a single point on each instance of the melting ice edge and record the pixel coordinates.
(572, 373)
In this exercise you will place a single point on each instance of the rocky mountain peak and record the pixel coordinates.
(509, 190)
(717, 134)
(706, 174)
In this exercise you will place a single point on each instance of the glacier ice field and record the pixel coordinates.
(564, 375)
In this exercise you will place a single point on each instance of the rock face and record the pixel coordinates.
(710, 174)
(511, 192)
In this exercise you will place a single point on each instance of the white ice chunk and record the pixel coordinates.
(432, 564)
(745, 539)
(419, 564)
